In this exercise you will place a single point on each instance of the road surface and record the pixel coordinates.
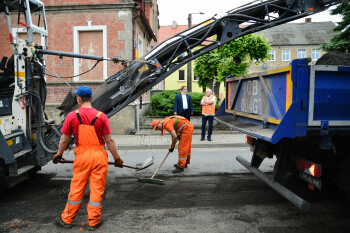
(205, 198)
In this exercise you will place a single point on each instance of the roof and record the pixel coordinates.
(168, 31)
(300, 33)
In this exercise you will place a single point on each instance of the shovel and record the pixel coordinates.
(138, 167)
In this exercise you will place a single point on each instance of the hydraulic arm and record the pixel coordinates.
(125, 86)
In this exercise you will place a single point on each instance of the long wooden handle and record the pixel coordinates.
(109, 163)
(160, 165)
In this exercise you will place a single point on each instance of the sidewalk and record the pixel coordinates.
(151, 140)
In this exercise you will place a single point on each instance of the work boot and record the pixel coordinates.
(175, 165)
(63, 224)
(209, 138)
(202, 139)
(178, 170)
(93, 228)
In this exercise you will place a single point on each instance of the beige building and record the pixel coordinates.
(295, 40)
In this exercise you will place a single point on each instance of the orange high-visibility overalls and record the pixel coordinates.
(184, 128)
(91, 161)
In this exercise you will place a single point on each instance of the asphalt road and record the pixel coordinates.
(196, 201)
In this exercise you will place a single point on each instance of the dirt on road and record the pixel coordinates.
(215, 203)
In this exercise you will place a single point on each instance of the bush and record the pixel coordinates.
(163, 103)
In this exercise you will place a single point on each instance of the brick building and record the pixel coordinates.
(124, 28)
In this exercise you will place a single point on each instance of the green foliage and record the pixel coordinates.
(233, 58)
(163, 103)
(341, 41)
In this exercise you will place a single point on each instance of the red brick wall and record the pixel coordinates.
(57, 93)
(5, 48)
(61, 37)
(76, 2)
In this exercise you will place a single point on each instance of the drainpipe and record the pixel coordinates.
(138, 13)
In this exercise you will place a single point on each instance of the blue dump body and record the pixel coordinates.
(294, 101)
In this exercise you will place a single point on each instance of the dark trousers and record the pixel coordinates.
(186, 113)
(204, 122)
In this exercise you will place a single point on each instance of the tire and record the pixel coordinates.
(3, 186)
(344, 177)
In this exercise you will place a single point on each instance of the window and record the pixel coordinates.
(301, 53)
(285, 55)
(181, 75)
(90, 40)
(195, 78)
(272, 55)
(315, 54)
(140, 46)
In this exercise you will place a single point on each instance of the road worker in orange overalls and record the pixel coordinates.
(178, 127)
(91, 130)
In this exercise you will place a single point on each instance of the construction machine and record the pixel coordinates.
(28, 139)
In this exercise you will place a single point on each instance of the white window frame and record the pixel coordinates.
(76, 48)
(272, 51)
(139, 38)
(285, 50)
(298, 53)
(312, 54)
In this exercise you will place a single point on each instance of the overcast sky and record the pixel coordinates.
(178, 11)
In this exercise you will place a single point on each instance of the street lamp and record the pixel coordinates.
(189, 64)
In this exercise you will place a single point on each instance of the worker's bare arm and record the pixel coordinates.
(112, 147)
(63, 144)
(173, 138)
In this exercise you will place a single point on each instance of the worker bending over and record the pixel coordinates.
(179, 128)
(91, 130)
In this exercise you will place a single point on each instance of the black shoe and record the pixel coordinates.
(202, 139)
(93, 228)
(209, 139)
(178, 170)
(175, 165)
(63, 224)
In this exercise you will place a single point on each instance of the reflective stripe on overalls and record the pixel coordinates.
(90, 165)
(185, 142)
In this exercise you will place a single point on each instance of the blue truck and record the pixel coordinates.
(301, 115)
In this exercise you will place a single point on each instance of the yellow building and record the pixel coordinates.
(179, 78)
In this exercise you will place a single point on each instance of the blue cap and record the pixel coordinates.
(84, 91)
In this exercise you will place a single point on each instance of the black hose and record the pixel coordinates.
(39, 122)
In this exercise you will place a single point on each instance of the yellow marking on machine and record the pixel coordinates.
(143, 69)
(20, 74)
(207, 22)
(255, 117)
(280, 70)
(256, 75)
(289, 91)
(9, 142)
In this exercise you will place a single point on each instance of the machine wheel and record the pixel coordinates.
(344, 176)
(3, 186)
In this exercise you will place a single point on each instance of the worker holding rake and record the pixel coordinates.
(179, 128)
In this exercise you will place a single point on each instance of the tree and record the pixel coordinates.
(341, 41)
(233, 58)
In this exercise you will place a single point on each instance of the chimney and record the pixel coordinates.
(307, 20)
(174, 25)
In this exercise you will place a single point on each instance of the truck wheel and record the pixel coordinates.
(3, 186)
(344, 177)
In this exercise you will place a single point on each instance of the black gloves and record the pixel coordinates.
(171, 149)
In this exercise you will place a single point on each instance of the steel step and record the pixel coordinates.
(21, 153)
(24, 169)
(12, 135)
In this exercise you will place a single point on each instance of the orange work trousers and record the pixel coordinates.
(184, 147)
(91, 161)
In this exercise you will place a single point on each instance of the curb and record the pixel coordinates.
(150, 147)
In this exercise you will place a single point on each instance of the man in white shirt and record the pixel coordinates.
(208, 112)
